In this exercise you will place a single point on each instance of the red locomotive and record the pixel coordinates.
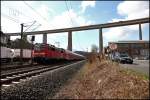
(46, 53)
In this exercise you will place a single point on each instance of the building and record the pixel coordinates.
(136, 49)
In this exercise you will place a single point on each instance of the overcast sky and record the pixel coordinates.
(64, 14)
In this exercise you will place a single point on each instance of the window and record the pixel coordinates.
(123, 45)
(39, 46)
(62, 50)
(144, 52)
(136, 46)
(146, 45)
(51, 47)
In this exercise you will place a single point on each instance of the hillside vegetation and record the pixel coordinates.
(101, 79)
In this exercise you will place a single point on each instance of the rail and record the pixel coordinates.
(8, 78)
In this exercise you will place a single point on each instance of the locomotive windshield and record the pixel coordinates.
(52, 47)
(39, 47)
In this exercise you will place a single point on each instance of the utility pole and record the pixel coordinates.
(32, 47)
(21, 45)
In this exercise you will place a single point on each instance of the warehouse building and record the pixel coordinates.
(136, 49)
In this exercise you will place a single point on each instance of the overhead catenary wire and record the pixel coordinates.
(45, 19)
(13, 11)
(72, 21)
(10, 8)
(38, 14)
(36, 27)
(30, 25)
(34, 10)
(10, 18)
(68, 12)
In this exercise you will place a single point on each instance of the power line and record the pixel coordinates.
(69, 12)
(72, 21)
(30, 25)
(34, 10)
(36, 27)
(77, 35)
(37, 12)
(19, 12)
(14, 11)
(14, 20)
(70, 4)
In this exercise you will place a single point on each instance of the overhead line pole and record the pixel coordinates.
(21, 45)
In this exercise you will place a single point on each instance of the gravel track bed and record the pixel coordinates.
(40, 87)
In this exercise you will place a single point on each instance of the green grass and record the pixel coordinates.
(135, 73)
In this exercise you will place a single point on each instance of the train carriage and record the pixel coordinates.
(26, 55)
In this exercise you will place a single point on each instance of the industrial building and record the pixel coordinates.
(136, 49)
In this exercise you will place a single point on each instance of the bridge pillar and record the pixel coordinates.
(69, 41)
(140, 32)
(44, 38)
(100, 40)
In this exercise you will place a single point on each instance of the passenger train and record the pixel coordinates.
(46, 53)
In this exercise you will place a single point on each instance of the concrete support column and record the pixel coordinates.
(100, 40)
(140, 32)
(69, 41)
(44, 38)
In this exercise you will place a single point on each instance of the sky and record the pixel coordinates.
(47, 15)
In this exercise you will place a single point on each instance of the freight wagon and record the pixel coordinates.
(26, 55)
(6, 54)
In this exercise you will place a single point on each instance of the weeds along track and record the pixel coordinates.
(16, 76)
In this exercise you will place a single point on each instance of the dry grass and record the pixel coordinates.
(100, 79)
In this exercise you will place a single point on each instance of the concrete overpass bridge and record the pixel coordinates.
(89, 27)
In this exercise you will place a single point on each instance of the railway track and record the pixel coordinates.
(16, 76)
(16, 66)
(12, 67)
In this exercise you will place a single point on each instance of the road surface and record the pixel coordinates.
(138, 65)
